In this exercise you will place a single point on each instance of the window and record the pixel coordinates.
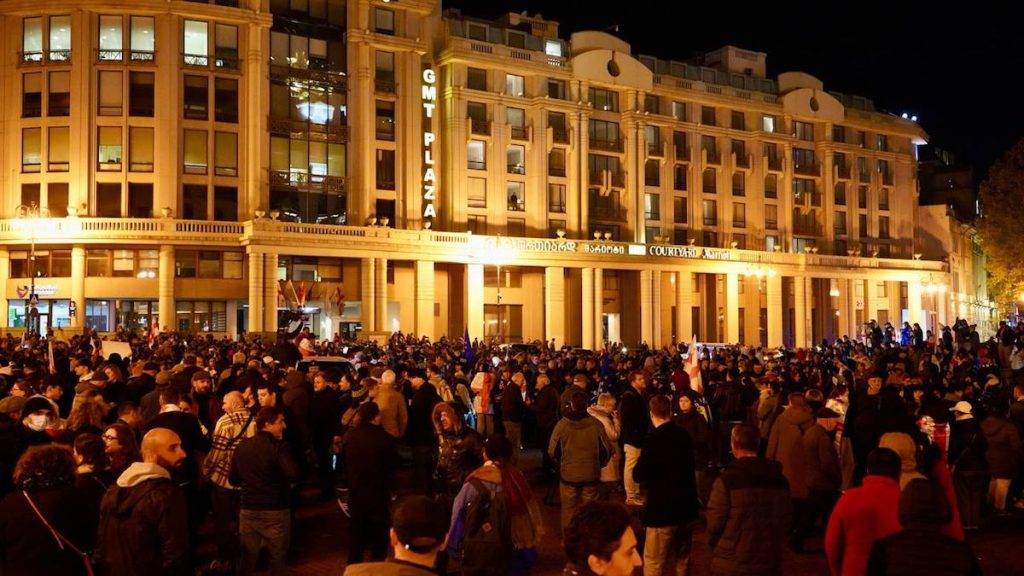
(840, 223)
(140, 149)
(516, 227)
(559, 133)
(232, 268)
(476, 224)
(193, 202)
(681, 146)
(604, 135)
(385, 120)
(57, 199)
(111, 39)
(515, 85)
(679, 210)
(883, 199)
(140, 94)
(771, 186)
(516, 118)
(839, 134)
(652, 135)
(710, 212)
(108, 200)
(710, 181)
(741, 244)
(60, 39)
(802, 190)
(652, 105)
(739, 152)
(606, 100)
(384, 21)
(652, 172)
(707, 115)
(804, 161)
(201, 316)
(556, 162)
(476, 79)
(840, 194)
(197, 97)
(556, 89)
(883, 227)
(32, 95)
(59, 100)
(477, 196)
(196, 43)
(384, 75)
(516, 194)
(140, 200)
(679, 111)
(769, 123)
(225, 205)
(476, 155)
(883, 143)
(554, 226)
(556, 198)
(111, 96)
(553, 48)
(97, 263)
(143, 40)
(862, 197)
(710, 146)
(124, 263)
(196, 156)
(516, 159)
(385, 169)
(863, 174)
(739, 215)
(226, 47)
(739, 184)
(803, 131)
(32, 40)
(771, 217)
(652, 206)
(30, 194)
(739, 121)
(109, 148)
(225, 154)
(225, 100)
(680, 174)
(58, 143)
(862, 225)
(679, 236)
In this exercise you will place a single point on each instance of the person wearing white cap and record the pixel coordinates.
(967, 460)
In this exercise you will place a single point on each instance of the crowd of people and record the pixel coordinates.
(897, 441)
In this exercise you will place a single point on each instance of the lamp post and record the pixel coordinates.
(499, 257)
(31, 214)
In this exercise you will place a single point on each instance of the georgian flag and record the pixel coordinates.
(693, 367)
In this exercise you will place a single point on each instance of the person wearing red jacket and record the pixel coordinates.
(864, 514)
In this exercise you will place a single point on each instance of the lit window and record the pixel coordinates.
(553, 48)
(32, 40)
(143, 39)
(31, 149)
(60, 38)
(226, 154)
(514, 85)
(109, 148)
(197, 49)
(195, 152)
(111, 38)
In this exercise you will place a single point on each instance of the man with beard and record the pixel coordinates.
(143, 518)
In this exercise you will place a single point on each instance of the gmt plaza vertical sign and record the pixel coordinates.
(429, 94)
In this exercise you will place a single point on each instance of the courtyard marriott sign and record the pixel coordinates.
(691, 252)
(489, 244)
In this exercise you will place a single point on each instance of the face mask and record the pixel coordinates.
(38, 422)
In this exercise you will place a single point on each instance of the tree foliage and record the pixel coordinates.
(1002, 225)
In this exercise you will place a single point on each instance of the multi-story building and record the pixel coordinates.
(193, 158)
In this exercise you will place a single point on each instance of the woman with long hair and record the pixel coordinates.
(121, 448)
(44, 523)
(89, 416)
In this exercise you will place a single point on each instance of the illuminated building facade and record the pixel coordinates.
(418, 170)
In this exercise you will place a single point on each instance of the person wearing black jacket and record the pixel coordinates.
(967, 459)
(419, 433)
(633, 410)
(265, 471)
(546, 410)
(666, 467)
(325, 412)
(371, 457)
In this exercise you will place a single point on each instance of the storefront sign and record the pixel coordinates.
(690, 252)
(429, 93)
(604, 249)
(533, 245)
(41, 290)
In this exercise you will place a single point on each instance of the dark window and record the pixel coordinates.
(140, 200)
(225, 203)
(32, 95)
(225, 100)
(193, 202)
(385, 169)
(59, 101)
(140, 94)
(385, 120)
(197, 97)
(476, 79)
(108, 200)
(30, 194)
(57, 199)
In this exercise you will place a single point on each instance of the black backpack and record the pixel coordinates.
(486, 548)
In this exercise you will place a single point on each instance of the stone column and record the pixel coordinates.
(684, 305)
(475, 300)
(425, 299)
(774, 304)
(732, 307)
(78, 285)
(656, 309)
(366, 279)
(381, 293)
(646, 308)
(913, 302)
(800, 312)
(5, 270)
(255, 292)
(554, 305)
(598, 308)
(587, 308)
(270, 292)
(165, 291)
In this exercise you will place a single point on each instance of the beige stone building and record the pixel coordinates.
(185, 158)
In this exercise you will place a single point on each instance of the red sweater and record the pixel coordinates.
(861, 516)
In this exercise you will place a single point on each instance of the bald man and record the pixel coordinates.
(235, 425)
(143, 517)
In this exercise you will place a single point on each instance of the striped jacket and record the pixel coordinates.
(226, 436)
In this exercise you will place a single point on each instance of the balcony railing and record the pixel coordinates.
(479, 126)
(335, 79)
(808, 228)
(558, 171)
(384, 86)
(682, 153)
(656, 149)
(742, 160)
(713, 156)
(810, 168)
(560, 135)
(331, 132)
(887, 178)
(843, 171)
(516, 204)
(520, 132)
(307, 181)
(517, 168)
(616, 213)
(51, 56)
(775, 163)
(476, 165)
(607, 145)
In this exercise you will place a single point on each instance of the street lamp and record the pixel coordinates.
(30, 215)
(499, 257)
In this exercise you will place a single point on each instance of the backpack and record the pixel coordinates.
(486, 548)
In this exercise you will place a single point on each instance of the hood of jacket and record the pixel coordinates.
(903, 445)
(798, 417)
(139, 472)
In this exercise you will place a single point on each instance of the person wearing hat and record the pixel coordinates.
(207, 407)
(419, 532)
(821, 472)
(967, 460)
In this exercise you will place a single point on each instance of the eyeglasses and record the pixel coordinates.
(110, 437)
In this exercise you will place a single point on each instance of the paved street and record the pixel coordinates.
(321, 532)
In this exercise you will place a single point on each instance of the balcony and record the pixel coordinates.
(518, 168)
(516, 204)
(560, 135)
(741, 160)
(682, 153)
(775, 163)
(843, 171)
(505, 52)
(607, 179)
(334, 79)
(808, 168)
(384, 86)
(656, 149)
(307, 181)
(557, 171)
(52, 57)
(476, 165)
(480, 126)
(606, 145)
(331, 132)
(615, 213)
(887, 178)
(712, 157)
(807, 228)
(520, 132)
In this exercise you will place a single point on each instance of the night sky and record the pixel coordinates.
(958, 71)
